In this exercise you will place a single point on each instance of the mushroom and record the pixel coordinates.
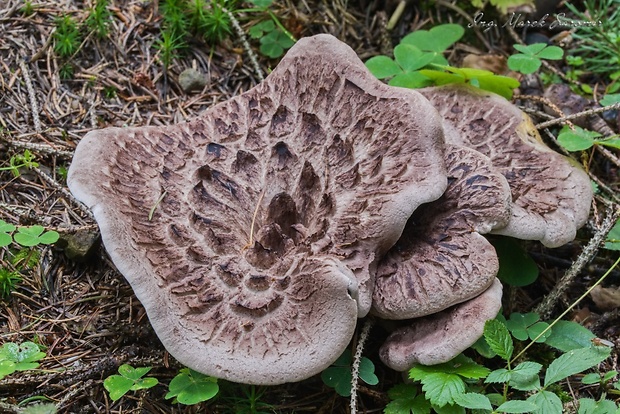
(551, 194)
(251, 234)
(439, 337)
(442, 259)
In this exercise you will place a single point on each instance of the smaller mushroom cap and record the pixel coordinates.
(438, 338)
(442, 259)
(551, 194)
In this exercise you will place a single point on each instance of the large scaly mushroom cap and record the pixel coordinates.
(269, 212)
(551, 194)
(442, 258)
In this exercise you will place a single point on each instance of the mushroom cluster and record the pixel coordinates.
(257, 234)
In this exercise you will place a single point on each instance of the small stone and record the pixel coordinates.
(78, 246)
(191, 79)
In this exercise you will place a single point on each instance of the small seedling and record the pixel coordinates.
(17, 161)
(14, 357)
(8, 282)
(99, 18)
(338, 376)
(529, 60)
(213, 24)
(130, 379)
(66, 37)
(579, 139)
(274, 43)
(191, 387)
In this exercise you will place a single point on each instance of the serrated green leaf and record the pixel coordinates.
(590, 406)
(517, 406)
(383, 67)
(524, 63)
(498, 376)
(547, 402)
(574, 362)
(473, 401)
(411, 80)
(516, 267)
(440, 388)
(448, 409)
(367, 372)
(497, 336)
(437, 39)
(525, 376)
(406, 401)
(411, 58)
(568, 335)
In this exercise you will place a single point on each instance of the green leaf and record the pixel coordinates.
(590, 406)
(145, 383)
(338, 375)
(411, 58)
(274, 43)
(547, 402)
(7, 368)
(260, 29)
(524, 63)
(410, 80)
(5, 229)
(442, 381)
(517, 406)
(574, 362)
(437, 39)
(448, 409)
(578, 139)
(405, 400)
(524, 377)
(530, 50)
(611, 142)
(117, 386)
(498, 376)
(383, 67)
(610, 99)
(483, 348)
(442, 78)
(569, 335)
(263, 4)
(613, 238)
(524, 326)
(592, 378)
(497, 336)
(516, 267)
(551, 53)
(473, 401)
(501, 85)
(367, 372)
(191, 387)
(34, 235)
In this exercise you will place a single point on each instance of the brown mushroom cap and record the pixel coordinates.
(442, 259)
(268, 212)
(438, 338)
(551, 194)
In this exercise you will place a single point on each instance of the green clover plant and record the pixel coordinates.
(14, 357)
(191, 387)
(419, 62)
(338, 376)
(529, 60)
(130, 379)
(579, 139)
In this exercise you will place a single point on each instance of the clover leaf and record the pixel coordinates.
(34, 235)
(130, 379)
(14, 357)
(190, 387)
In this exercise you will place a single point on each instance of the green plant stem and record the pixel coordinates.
(586, 293)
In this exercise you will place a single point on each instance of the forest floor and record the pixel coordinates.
(81, 310)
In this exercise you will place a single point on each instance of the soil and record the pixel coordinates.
(75, 304)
